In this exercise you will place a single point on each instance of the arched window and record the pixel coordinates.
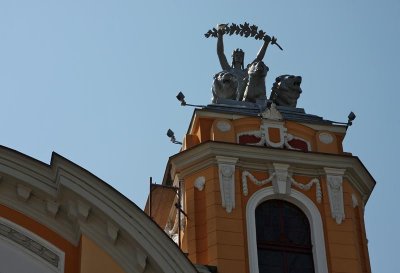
(283, 238)
(299, 201)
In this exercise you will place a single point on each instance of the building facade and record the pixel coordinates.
(61, 218)
(268, 190)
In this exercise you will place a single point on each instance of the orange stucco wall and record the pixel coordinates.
(205, 129)
(71, 251)
(215, 237)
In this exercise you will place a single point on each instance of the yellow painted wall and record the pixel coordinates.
(95, 260)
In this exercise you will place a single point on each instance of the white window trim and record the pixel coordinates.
(37, 240)
(307, 206)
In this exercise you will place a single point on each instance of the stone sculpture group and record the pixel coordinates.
(235, 82)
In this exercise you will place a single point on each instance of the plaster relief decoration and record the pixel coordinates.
(52, 207)
(354, 200)
(271, 125)
(281, 176)
(226, 171)
(141, 260)
(23, 192)
(326, 138)
(83, 210)
(112, 231)
(256, 138)
(223, 126)
(199, 183)
(335, 191)
(281, 180)
(296, 143)
(272, 113)
(308, 186)
(247, 174)
(262, 137)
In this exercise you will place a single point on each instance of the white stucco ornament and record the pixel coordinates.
(272, 113)
(326, 138)
(226, 171)
(334, 181)
(199, 183)
(223, 126)
(282, 181)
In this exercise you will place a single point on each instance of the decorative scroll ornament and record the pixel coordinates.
(227, 181)
(284, 179)
(335, 191)
(243, 30)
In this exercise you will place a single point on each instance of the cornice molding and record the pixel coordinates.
(306, 163)
(207, 113)
(71, 201)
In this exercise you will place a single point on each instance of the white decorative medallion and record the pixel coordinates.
(226, 171)
(334, 179)
(199, 183)
(223, 126)
(326, 138)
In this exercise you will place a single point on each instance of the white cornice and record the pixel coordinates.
(204, 155)
(214, 114)
(71, 201)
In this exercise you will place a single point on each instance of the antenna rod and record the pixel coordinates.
(151, 183)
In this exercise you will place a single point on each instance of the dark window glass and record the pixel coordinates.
(283, 238)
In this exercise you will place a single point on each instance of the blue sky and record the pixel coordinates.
(95, 81)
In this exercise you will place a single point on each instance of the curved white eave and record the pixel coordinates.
(93, 203)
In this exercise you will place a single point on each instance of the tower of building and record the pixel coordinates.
(266, 187)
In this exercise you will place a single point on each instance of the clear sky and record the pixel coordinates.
(95, 81)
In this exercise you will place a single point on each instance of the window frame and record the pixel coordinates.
(303, 203)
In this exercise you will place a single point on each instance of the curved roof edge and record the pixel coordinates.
(71, 201)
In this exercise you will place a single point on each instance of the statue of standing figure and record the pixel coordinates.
(251, 80)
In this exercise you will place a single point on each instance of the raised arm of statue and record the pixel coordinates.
(263, 49)
(220, 51)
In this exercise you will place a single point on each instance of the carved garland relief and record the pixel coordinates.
(281, 181)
